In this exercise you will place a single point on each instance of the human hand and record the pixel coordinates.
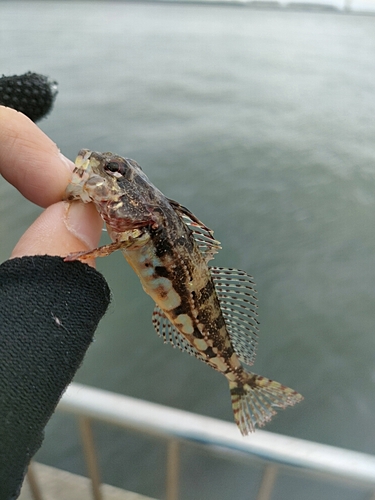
(31, 162)
(49, 309)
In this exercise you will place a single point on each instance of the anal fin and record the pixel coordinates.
(171, 335)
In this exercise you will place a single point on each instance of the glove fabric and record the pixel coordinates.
(49, 311)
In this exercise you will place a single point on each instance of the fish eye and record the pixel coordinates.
(115, 168)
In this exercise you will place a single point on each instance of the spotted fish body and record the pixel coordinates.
(208, 312)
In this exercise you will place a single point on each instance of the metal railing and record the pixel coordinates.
(179, 427)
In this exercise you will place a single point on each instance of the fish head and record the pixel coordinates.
(121, 191)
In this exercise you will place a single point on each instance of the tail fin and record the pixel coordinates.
(253, 402)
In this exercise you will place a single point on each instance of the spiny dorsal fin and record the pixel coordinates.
(236, 293)
(169, 333)
(203, 235)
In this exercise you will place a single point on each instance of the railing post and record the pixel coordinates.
(268, 482)
(90, 456)
(173, 466)
(33, 484)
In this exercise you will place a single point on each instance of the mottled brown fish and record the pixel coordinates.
(208, 312)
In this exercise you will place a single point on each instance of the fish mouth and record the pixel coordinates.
(82, 157)
(83, 176)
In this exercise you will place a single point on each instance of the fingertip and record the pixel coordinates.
(30, 160)
(83, 221)
(55, 233)
(67, 163)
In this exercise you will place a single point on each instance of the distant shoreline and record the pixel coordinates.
(344, 6)
(364, 7)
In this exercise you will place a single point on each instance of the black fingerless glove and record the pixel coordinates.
(32, 94)
(49, 310)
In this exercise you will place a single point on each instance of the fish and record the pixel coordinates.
(208, 312)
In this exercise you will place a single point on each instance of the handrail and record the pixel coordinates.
(171, 423)
(177, 426)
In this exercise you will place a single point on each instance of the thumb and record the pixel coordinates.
(61, 229)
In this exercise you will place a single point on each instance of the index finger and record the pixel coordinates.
(30, 160)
